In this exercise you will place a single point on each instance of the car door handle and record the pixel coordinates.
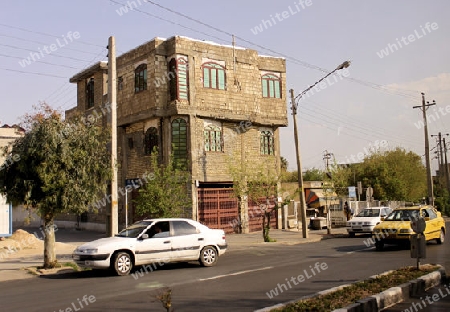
(201, 238)
(167, 242)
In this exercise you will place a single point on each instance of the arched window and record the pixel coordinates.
(271, 86)
(178, 78)
(267, 143)
(214, 76)
(213, 139)
(90, 93)
(140, 78)
(179, 142)
(150, 140)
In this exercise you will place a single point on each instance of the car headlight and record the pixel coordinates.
(406, 231)
(87, 251)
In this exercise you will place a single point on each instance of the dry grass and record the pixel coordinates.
(360, 290)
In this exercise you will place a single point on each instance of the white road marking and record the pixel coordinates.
(236, 273)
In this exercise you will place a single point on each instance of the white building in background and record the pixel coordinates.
(7, 135)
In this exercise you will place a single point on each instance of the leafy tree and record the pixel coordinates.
(313, 174)
(393, 175)
(63, 167)
(166, 194)
(284, 164)
(259, 184)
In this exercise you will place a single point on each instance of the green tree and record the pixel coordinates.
(313, 174)
(394, 175)
(167, 193)
(284, 164)
(257, 183)
(63, 167)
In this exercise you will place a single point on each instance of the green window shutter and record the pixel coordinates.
(206, 78)
(206, 135)
(214, 78)
(221, 73)
(264, 87)
(218, 141)
(277, 89)
(271, 88)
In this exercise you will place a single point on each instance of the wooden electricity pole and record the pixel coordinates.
(112, 99)
(424, 108)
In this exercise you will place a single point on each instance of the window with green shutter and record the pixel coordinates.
(271, 86)
(214, 76)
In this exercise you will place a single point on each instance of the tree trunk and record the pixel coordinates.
(266, 226)
(49, 244)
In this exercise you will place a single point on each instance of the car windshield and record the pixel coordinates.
(369, 213)
(403, 215)
(134, 230)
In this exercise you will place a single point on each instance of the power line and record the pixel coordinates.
(32, 73)
(37, 52)
(48, 35)
(41, 62)
(45, 43)
(303, 63)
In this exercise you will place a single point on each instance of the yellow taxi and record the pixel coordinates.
(396, 227)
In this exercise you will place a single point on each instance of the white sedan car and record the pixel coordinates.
(365, 221)
(153, 241)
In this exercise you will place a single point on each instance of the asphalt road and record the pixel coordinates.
(240, 281)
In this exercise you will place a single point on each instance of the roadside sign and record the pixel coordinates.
(352, 191)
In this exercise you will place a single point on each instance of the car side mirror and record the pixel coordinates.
(427, 218)
(144, 236)
(382, 218)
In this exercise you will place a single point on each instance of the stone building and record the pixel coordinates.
(198, 100)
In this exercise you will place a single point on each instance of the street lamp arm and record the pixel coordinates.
(299, 96)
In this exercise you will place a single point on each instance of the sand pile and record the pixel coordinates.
(22, 243)
(20, 240)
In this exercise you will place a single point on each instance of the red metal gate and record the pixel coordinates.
(218, 208)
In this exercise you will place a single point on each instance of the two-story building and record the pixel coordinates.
(199, 101)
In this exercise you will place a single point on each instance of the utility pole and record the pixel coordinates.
(447, 176)
(299, 170)
(438, 151)
(424, 108)
(327, 157)
(112, 99)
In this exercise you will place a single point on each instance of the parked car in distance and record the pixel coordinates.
(365, 221)
(396, 228)
(153, 241)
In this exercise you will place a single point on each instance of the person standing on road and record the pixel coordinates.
(347, 211)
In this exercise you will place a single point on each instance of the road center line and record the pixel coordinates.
(236, 273)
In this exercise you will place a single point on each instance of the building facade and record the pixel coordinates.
(200, 102)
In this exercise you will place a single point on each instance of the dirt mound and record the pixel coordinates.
(25, 238)
(20, 240)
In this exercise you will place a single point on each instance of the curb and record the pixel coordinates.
(382, 300)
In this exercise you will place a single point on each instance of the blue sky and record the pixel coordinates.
(373, 105)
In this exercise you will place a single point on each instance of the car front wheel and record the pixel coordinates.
(122, 263)
(441, 238)
(208, 256)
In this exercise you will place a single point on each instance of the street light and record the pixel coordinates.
(297, 144)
